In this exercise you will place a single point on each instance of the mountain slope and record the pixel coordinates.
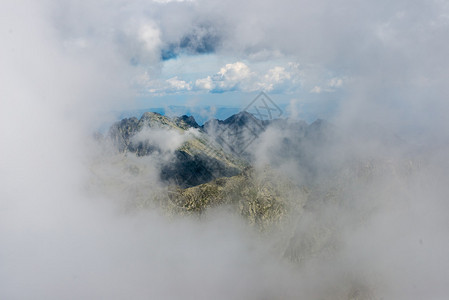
(264, 198)
(195, 159)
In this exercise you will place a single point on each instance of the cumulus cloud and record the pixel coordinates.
(229, 78)
(281, 79)
(205, 84)
(236, 76)
(177, 84)
(161, 87)
(330, 85)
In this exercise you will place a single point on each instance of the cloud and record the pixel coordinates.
(169, 1)
(335, 82)
(203, 38)
(167, 140)
(330, 85)
(316, 89)
(64, 61)
(205, 83)
(236, 76)
(178, 85)
(149, 35)
(169, 86)
(281, 79)
(230, 77)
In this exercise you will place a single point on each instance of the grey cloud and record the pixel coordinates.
(394, 51)
(202, 39)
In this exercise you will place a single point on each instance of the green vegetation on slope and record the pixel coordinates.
(262, 198)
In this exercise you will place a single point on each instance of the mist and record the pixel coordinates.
(77, 220)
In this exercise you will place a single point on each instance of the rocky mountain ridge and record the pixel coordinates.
(219, 148)
(314, 182)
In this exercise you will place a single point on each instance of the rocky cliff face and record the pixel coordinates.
(264, 197)
(211, 168)
(236, 133)
(195, 159)
(218, 148)
(210, 165)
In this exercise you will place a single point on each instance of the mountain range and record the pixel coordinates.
(279, 175)
(218, 148)
(201, 114)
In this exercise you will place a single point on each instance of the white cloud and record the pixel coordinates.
(204, 83)
(315, 90)
(274, 76)
(335, 82)
(239, 76)
(178, 85)
(169, 1)
(158, 86)
(235, 72)
(166, 139)
(232, 77)
(149, 34)
(328, 86)
(277, 74)
(283, 77)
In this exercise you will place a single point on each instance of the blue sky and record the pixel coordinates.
(222, 80)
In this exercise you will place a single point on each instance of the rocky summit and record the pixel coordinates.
(197, 159)
(223, 163)
(219, 148)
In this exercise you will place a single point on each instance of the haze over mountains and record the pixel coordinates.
(303, 185)
(216, 149)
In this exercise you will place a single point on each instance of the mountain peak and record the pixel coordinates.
(241, 117)
(186, 122)
(149, 115)
(154, 119)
